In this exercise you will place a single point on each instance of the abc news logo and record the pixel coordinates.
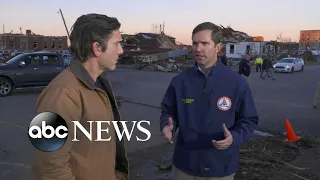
(48, 131)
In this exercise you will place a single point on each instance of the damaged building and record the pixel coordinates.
(237, 44)
(30, 42)
(150, 48)
(230, 35)
(158, 51)
(236, 50)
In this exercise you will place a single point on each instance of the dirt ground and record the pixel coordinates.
(261, 158)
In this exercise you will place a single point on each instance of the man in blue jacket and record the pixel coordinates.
(244, 67)
(214, 110)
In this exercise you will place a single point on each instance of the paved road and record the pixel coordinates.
(289, 96)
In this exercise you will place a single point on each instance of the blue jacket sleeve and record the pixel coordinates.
(246, 118)
(168, 107)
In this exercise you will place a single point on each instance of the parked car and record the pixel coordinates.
(29, 70)
(289, 65)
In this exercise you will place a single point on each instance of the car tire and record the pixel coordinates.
(6, 87)
(302, 67)
(292, 70)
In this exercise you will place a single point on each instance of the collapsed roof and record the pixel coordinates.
(150, 40)
(234, 36)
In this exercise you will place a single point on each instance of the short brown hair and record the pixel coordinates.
(216, 34)
(90, 28)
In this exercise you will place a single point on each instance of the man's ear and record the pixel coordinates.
(219, 48)
(96, 49)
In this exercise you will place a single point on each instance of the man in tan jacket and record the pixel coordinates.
(82, 93)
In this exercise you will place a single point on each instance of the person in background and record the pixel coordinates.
(244, 67)
(267, 68)
(66, 61)
(258, 63)
(264, 68)
(213, 108)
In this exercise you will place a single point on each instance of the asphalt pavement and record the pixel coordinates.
(289, 96)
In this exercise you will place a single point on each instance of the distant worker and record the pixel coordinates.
(258, 63)
(267, 68)
(244, 67)
(213, 110)
(316, 96)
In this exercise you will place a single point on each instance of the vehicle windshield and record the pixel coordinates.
(14, 59)
(286, 61)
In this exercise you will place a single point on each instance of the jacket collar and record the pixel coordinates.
(82, 74)
(213, 69)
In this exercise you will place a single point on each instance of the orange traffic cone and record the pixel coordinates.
(290, 133)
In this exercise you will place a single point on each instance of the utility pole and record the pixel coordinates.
(2, 40)
(163, 27)
(5, 38)
(64, 22)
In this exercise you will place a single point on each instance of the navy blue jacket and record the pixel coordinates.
(244, 67)
(199, 105)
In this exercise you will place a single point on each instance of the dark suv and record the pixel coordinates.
(29, 70)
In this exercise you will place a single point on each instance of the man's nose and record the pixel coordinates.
(120, 51)
(198, 48)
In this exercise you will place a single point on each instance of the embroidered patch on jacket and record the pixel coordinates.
(188, 101)
(224, 103)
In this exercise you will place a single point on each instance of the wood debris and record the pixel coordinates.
(273, 158)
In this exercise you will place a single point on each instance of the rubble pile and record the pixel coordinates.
(169, 65)
(264, 157)
(273, 158)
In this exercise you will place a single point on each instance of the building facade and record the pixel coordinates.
(30, 42)
(238, 50)
(309, 39)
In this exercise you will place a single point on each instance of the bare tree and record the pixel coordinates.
(285, 42)
(305, 42)
(282, 39)
(279, 37)
(155, 29)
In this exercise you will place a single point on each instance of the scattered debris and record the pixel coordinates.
(272, 157)
(265, 157)
(168, 65)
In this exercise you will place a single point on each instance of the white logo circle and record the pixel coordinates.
(224, 103)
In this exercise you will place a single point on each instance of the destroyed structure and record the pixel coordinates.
(158, 51)
(153, 51)
(237, 44)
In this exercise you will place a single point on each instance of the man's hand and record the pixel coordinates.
(228, 139)
(167, 131)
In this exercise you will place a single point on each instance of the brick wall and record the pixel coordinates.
(22, 42)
